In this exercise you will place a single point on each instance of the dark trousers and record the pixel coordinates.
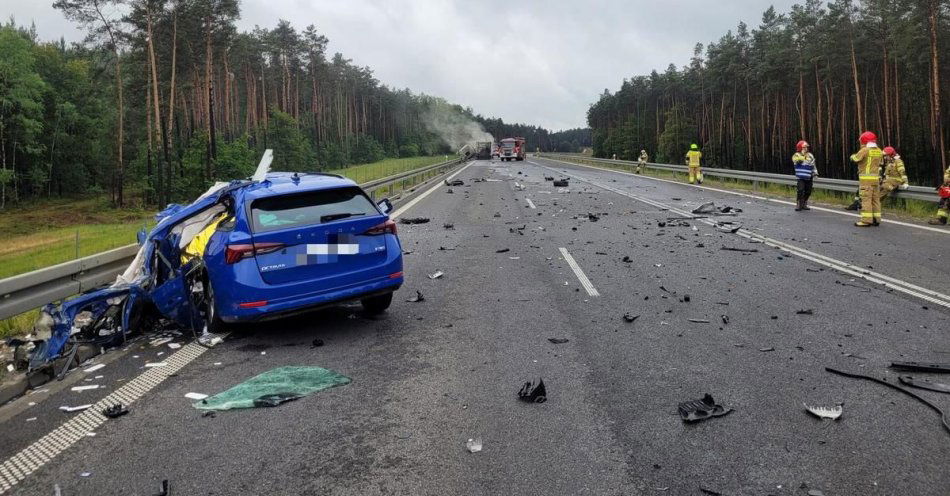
(804, 190)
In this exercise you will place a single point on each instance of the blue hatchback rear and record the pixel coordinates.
(300, 241)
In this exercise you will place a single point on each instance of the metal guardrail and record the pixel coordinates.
(24, 292)
(914, 192)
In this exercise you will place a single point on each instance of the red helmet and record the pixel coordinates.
(867, 137)
(890, 151)
(801, 144)
(944, 192)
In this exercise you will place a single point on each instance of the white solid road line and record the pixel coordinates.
(40, 452)
(530, 203)
(748, 195)
(428, 192)
(844, 267)
(591, 290)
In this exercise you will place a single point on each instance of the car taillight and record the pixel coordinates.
(388, 227)
(236, 253)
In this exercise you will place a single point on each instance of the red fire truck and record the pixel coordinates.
(512, 149)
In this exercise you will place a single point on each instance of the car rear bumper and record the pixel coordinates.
(287, 306)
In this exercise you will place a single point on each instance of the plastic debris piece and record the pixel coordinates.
(456, 182)
(413, 220)
(806, 312)
(473, 445)
(825, 412)
(560, 183)
(275, 399)
(921, 366)
(725, 319)
(767, 349)
(924, 384)
(195, 396)
(31, 419)
(209, 340)
(558, 340)
(741, 250)
(705, 208)
(626, 259)
(94, 368)
(174, 346)
(503, 250)
(115, 411)
(943, 416)
(448, 226)
(728, 227)
(272, 386)
(815, 492)
(74, 408)
(532, 393)
(437, 275)
(630, 318)
(165, 489)
(155, 364)
(159, 341)
(696, 410)
(85, 388)
(417, 298)
(593, 218)
(712, 492)
(699, 321)
(85, 474)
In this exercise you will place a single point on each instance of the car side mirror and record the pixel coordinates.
(385, 206)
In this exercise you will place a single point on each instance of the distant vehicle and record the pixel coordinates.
(278, 244)
(513, 149)
(495, 150)
(483, 150)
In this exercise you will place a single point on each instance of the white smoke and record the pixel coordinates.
(454, 128)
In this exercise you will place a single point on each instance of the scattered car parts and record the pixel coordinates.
(825, 412)
(943, 416)
(533, 393)
(702, 409)
(924, 384)
(922, 366)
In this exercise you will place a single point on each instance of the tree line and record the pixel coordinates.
(164, 97)
(823, 72)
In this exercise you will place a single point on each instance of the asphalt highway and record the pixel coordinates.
(427, 376)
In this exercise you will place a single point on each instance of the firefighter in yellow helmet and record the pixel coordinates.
(642, 162)
(693, 158)
(868, 159)
(895, 176)
(943, 207)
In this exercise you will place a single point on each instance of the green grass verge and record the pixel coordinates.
(385, 168)
(903, 208)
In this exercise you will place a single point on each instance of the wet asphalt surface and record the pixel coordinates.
(428, 376)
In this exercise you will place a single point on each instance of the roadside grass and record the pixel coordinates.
(388, 167)
(45, 233)
(904, 208)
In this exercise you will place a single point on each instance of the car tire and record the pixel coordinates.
(212, 320)
(375, 305)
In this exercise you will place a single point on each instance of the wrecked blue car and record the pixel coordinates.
(275, 245)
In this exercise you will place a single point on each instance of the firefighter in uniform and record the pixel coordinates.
(693, 158)
(643, 160)
(943, 208)
(805, 171)
(868, 160)
(895, 176)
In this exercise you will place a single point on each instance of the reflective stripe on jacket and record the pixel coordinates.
(868, 159)
(804, 165)
(693, 157)
(894, 169)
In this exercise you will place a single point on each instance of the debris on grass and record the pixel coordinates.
(825, 412)
(533, 393)
(702, 409)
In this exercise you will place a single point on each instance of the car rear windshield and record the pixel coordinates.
(313, 207)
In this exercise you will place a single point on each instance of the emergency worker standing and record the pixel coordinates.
(805, 171)
(693, 159)
(868, 160)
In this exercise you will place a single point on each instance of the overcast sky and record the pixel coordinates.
(533, 61)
